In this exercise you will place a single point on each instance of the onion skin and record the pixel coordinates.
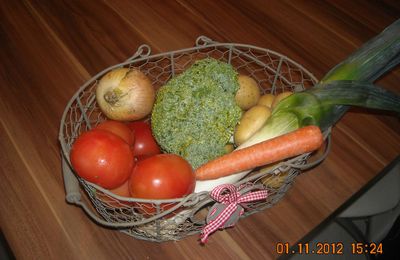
(125, 94)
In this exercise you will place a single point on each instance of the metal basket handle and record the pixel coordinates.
(142, 51)
(204, 41)
(71, 183)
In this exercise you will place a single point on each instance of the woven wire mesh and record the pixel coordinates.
(163, 220)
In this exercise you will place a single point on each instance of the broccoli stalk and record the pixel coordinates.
(195, 113)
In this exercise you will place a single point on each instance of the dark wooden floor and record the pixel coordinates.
(50, 48)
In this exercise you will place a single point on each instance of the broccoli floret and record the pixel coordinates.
(195, 113)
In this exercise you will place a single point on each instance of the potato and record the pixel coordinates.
(275, 181)
(266, 100)
(229, 148)
(280, 96)
(251, 121)
(248, 93)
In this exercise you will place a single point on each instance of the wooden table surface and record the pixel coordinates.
(50, 48)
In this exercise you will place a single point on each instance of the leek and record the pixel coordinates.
(350, 83)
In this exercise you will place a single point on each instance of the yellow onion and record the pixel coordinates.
(125, 94)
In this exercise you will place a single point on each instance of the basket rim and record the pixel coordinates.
(170, 53)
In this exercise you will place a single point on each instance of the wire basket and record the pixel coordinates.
(164, 220)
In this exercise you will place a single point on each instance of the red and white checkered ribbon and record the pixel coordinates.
(229, 195)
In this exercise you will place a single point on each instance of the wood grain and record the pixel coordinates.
(50, 48)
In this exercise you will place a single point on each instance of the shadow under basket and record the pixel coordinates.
(165, 220)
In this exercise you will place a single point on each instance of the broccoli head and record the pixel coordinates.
(195, 113)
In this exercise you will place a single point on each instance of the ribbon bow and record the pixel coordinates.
(229, 198)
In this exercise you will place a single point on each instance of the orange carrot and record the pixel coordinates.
(302, 140)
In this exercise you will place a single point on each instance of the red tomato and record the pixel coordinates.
(162, 176)
(102, 158)
(118, 128)
(122, 191)
(145, 144)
